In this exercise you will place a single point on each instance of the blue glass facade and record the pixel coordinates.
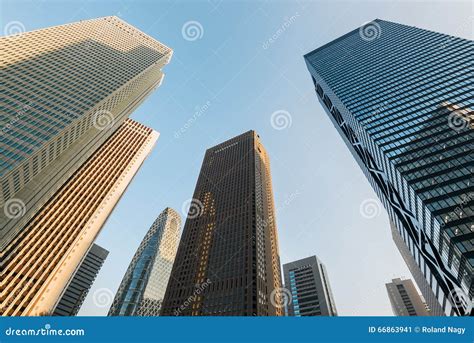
(139, 277)
(45, 94)
(402, 100)
(144, 284)
(294, 295)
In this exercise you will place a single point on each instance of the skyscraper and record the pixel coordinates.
(425, 289)
(401, 99)
(143, 287)
(76, 291)
(37, 265)
(66, 89)
(404, 298)
(308, 282)
(228, 261)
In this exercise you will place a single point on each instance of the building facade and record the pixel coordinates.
(38, 264)
(431, 300)
(228, 261)
(67, 89)
(405, 299)
(401, 99)
(143, 287)
(76, 291)
(308, 282)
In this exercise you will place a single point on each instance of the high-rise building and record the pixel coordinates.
(37, 265)
(401, 99)
(143, 287)
(65, 90)
(404, 298)
(228, 261)
(81, 281)
(431, 301)
(308, 282)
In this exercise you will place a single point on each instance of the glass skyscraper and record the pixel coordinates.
(65, 90)
(401, 98)
(423, 285)
(144, 284)
(68, 150)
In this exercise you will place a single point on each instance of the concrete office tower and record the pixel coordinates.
(76, 291)
(404, 298)
(308, 282)
(37, 265)
(66, 89)
(144, 284)
(401, 99)
(228, 261)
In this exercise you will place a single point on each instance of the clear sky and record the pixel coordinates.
(244, 64)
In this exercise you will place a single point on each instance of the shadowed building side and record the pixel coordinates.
(423, 285)
(67, 89)
(400, 98)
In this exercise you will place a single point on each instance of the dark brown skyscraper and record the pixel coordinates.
(228, 261)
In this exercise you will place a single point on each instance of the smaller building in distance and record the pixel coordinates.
(73, 296)
(405, 299)
(144, 284)
(308, 282)
(423, 284)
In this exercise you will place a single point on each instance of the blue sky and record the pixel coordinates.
(246, 64)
